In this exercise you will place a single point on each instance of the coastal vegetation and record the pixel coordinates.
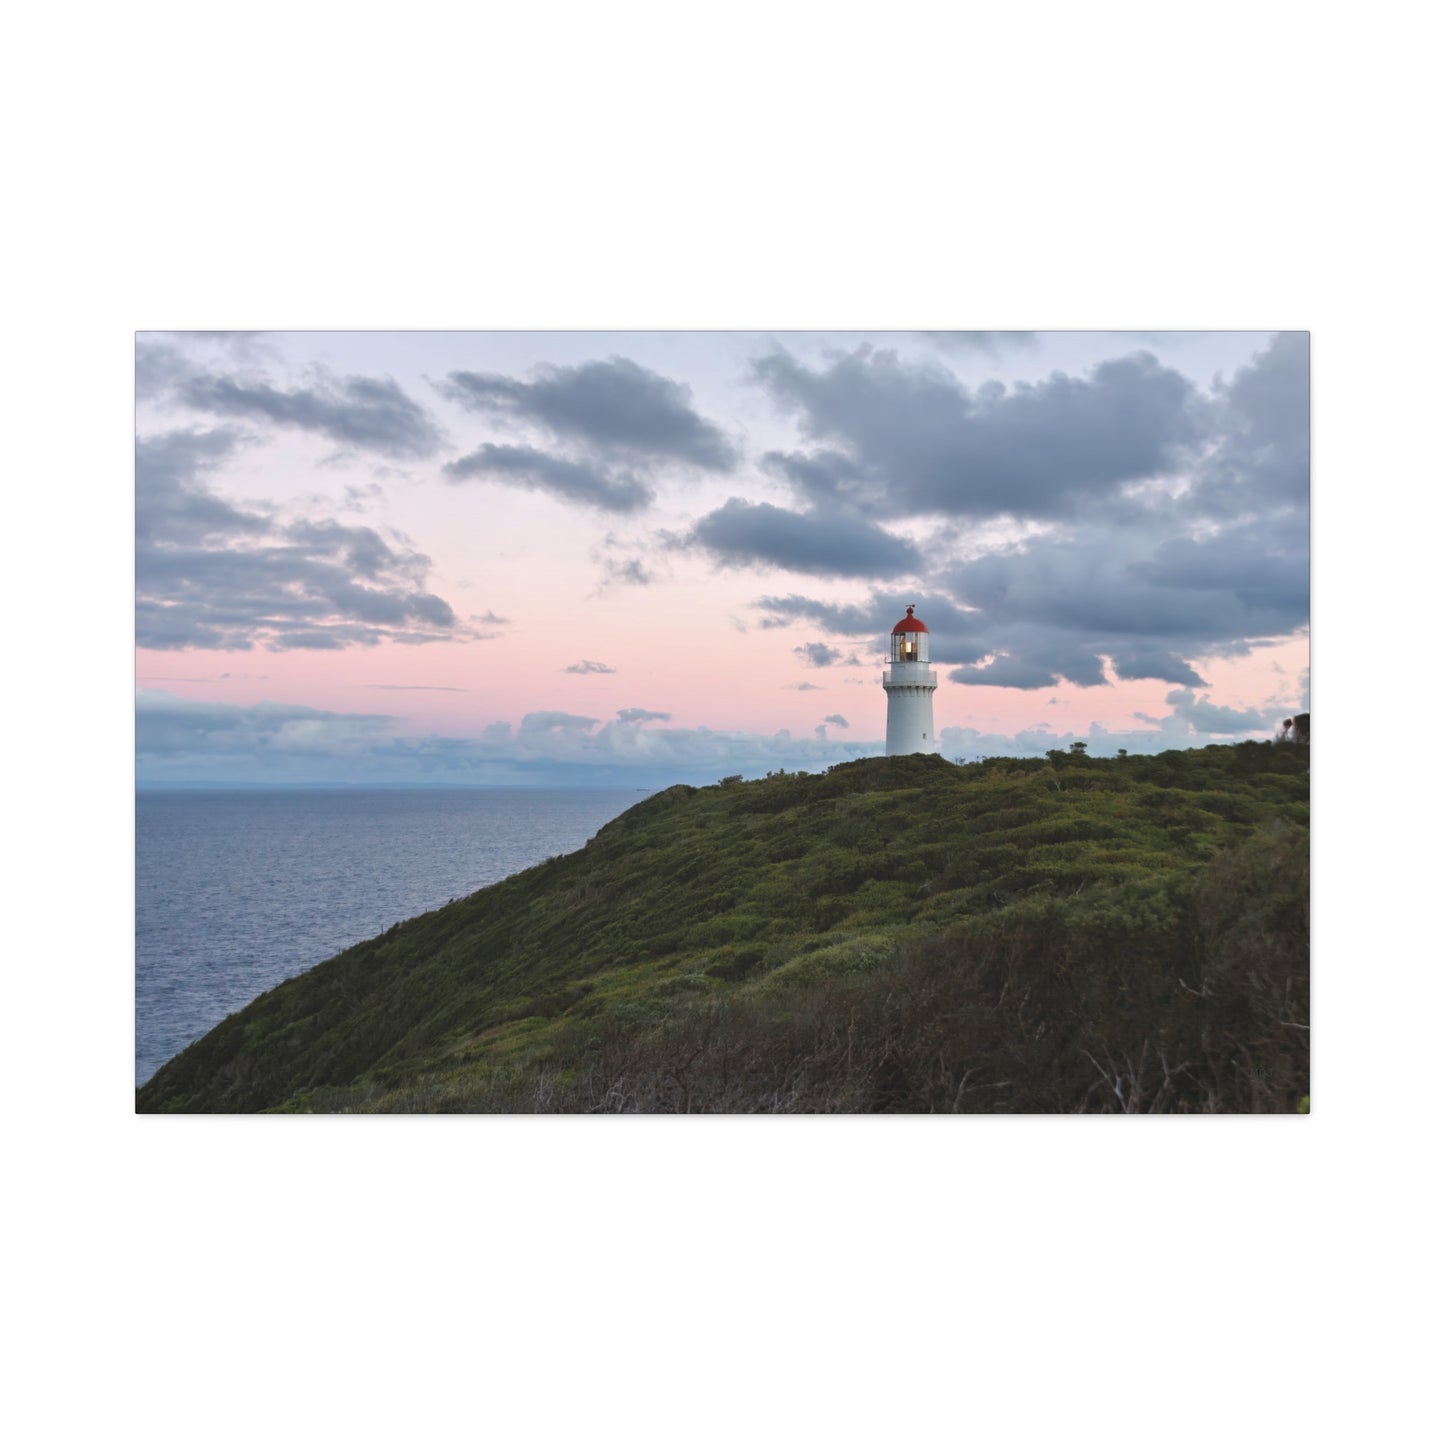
(1069, 934)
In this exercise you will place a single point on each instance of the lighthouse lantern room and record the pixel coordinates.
(910, 684)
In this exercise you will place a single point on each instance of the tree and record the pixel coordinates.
(1295, 729)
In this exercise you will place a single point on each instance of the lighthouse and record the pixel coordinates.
(910, 683)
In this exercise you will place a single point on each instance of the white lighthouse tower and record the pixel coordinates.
(910, 683)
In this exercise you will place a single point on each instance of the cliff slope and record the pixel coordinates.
(896, 934)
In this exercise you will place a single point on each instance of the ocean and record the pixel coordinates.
(236, 891)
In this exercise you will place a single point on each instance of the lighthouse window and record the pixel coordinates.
(909, 647)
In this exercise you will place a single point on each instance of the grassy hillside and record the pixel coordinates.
(896, 934)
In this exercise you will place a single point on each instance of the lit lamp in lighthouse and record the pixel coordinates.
(910, 684)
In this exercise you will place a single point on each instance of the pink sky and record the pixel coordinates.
(661, 594)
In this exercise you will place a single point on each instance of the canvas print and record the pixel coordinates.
(725, 722)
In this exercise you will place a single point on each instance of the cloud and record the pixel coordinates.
(828, 544)
(628, 574)
(159, 369)
(536, 724)
(818, 654)
(1207, 717)
(990, 343)
(850, 619)
(1252, 575)
(621, 571)
(1153, 662)
(614, 406)
(1029, 671)
(247, 346)
(837, 719)
(954, 633)
(641, 715)
(585, 667)
(1210, 559)
(1262, 460)
(966, 744)
(370, 413)
(802, 687)
(822, 477)
(173, 502)
(1064, 602)
(179, 740)
(1060, 605)
(175, 728)
(211, 573)
(915, 441)
(359, 498)
(540, 472)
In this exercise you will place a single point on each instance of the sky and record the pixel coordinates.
(639, 558)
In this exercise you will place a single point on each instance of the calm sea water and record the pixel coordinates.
(236, 891)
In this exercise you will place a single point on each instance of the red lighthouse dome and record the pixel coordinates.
(909, 642)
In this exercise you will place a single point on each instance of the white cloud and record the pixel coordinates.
(183, 740)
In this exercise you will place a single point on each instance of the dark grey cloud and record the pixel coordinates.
(615, 405)
(1062, 607)
(835, 543)
(1034, 658)
(1218, 570)
(837, 719)
(159, 369)
(323, 639)
(541, 472)
(990, 343)
(818, 654)
(1262, 460)
(247, 346)
(802, 687)
(848, 619)
(585, 666)
(211, 573)
(1148, 661)
(641, 715)
(1035, 668)
(913, 440)
(822, 477)
(955, 635)
(372, 413)
(174, 503)
(1245, 581)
